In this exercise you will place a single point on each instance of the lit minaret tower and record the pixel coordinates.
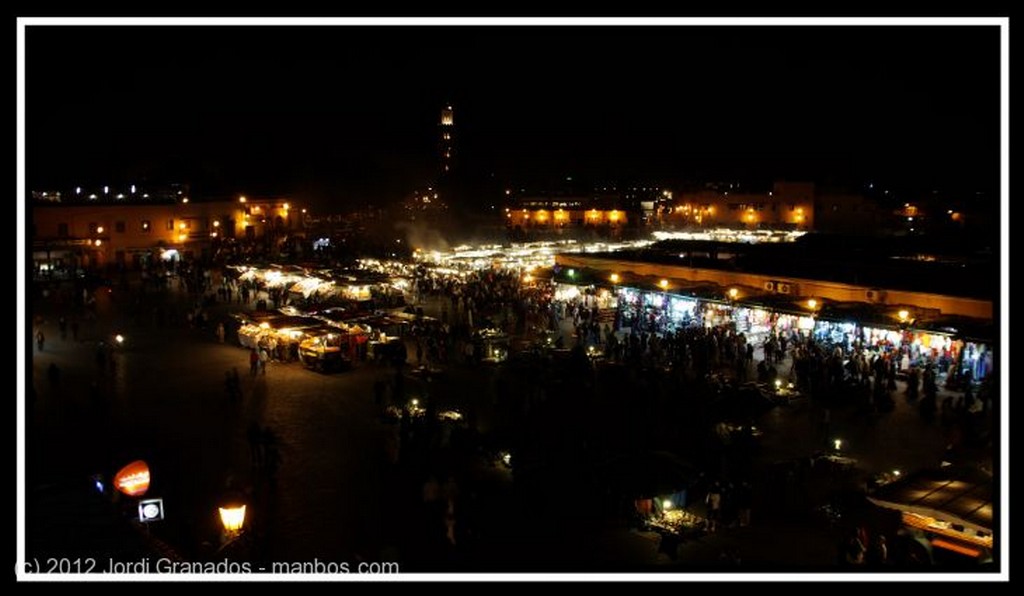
(447, 140)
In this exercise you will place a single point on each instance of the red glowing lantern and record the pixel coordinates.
(133, 479)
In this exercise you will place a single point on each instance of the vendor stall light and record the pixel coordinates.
(119, 339)
(182, 237)
(99, 230)
(572, 273)
(287, 206)
(837, 444)
(98, 242)
(241, 199)
(264, 325)
(904, 315)
(614, 277)
(415, 402)
(733, 293)
(666, 504)
(896, 473)
(778, 384)
(664, 284)
(213, 234)
(506, 458)
(812, 303)
(133, 479)
(185, 200)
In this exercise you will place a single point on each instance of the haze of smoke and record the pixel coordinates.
(422, 236)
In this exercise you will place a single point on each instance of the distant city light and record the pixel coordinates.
(78, 190)
(120, 195)
(106, 190)
(133, 189)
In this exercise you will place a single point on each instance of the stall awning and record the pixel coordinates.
(957, 495)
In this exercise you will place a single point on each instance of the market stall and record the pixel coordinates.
(330, 348)
(950, 508)
(492, 344)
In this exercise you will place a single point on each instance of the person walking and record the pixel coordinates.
(264, 357)
(254, 437)
(713, 500)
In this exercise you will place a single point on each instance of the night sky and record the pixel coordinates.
(348, 115)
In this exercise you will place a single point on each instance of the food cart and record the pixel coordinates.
(492, 345)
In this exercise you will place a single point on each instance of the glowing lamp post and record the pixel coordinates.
(232, 517)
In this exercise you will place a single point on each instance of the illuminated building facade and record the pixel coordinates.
(788, 205)
(70, 236)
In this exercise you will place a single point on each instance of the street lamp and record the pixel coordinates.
(232, 517)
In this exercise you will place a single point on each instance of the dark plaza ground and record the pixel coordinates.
(338, 493)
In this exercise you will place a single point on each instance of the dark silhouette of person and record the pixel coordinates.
(254, 436)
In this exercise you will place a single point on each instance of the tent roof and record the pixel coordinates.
(955, 494)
